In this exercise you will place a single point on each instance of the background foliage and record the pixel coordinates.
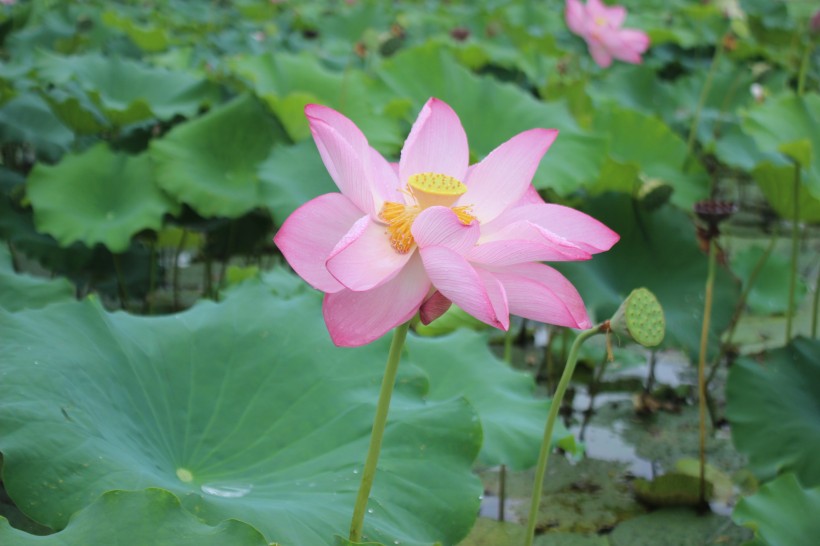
(149, 150)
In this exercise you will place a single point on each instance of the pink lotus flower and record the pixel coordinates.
(600, 26)
(415, 236)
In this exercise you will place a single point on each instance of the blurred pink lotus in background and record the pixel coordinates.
(415, 236)
(600, 26)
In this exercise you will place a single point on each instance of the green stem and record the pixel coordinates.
(814, 307)
(546, 441)
(120, 282)
(152, 278)
(804, 65)
(704, 92)
(508, 344)
(383, 405)
(502, 491)
(704, 342)
(740, 307)
(795, 241)
(175, 280)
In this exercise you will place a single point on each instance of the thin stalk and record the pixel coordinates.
(704, 92)
(650, 376)
(228, 252)
(508, 345)
(120, 282)
(740, 307)
(502, 491)
(502, 475)
(175, 280)
(152, 278)
(546, 441)
(795, 241)
(208, 279)
(15, 259)
(382, 407)
(804, 65)
(592, 391)
(704, 341)
(814, 307)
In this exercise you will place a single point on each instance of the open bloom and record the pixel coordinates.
(600, 26)
(415, 236)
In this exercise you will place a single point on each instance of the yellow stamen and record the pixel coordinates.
(399, 220)
(428, 190)
(463, 214)
(600, 21)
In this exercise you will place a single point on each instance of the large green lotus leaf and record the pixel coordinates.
(790, 124)
(18, 291)
(776, 181)
(244, 409)
(493, 112)
(152, 516)
(490, 532)
(129, 91)
(511, 417)
(775, 411)
(782, 513)
(27, 118)
(211, 163)
(98, 196)
(657, 250)
(291, 176)
(648, 142)
(289, 82)
(146, 37)
(677, 527)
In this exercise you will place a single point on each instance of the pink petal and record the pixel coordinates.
(600, 54)
(435, 306)
(616, 15)
(341, 124)
(357, 318)
(538, 292)
(597, 10)
(576, 227)
(459, 282)
(575, 17)
(437, 143)
(360, 172)
(439, 226)
(309, 235)
(525, 241)
(385, 181)
(628, 45)
(530, 197)
(504, 176)
(363, 258)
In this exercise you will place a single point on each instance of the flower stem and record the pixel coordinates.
(814, 307)
(726, 345)
(795, 241)
(704, 92)
(704, 341)
(382, 407)
(546, 441)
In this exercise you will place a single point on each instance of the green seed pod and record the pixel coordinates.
(640, 317)
(654, 193)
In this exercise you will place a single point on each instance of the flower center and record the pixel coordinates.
(600, 21)
(428, 190)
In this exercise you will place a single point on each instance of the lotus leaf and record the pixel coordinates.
(242, 409)
(98, 196)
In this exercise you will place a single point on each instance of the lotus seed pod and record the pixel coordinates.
(640, 317)
(654, 193)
